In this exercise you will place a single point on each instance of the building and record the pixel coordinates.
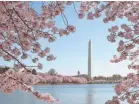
(89, 60)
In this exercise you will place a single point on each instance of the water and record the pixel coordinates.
(67, 94)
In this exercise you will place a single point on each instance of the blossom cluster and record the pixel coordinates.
(127, 90)
(23, 80)
(57, 79)
(21, 28)
(127, 33)
(127, 37)
(11, 81)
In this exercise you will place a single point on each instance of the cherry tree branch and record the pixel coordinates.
(63, 16)
(13, 57)
(13, 24)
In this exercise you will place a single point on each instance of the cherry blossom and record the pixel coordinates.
(50, 57)
(128, 44)
(11, 80)
(39, 66)
(57, 79)
(22, 27)
(41, 54)
(71, 28)
(90, 16)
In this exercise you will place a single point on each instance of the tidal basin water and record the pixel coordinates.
(67, 94)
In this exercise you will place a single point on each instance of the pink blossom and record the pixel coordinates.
(121, 43)
(118, 89)
(51, 39)
(39, 66)
(71, 28)
(54, 29)
(123, 26)
(111, 38)
(129, 66)
(45, 97)
(20, 5)
(136, 32)
(105, 20)
(37, 45)
(50, 57)
(46, 35)
(102, 7)
(120, 48)
(50, 24)
(3, 28)
(81, 11)
(128, 36)
(35, 60)
(128, 29)
(22, 33)
(114, 29)
(83, 3)
(36, 50)
(43, 25)
(7, 57)
(18, 66)
(24, 56)
(81, 15)
(41, 54)
(130, 75)
(97, 15)
(90, 16)
(121, 34)
(69, 2)
(47, 50)
(62, 32)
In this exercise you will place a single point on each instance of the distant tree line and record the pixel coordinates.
(113, 77)
(53, 72)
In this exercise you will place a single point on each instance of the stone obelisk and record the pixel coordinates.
(89, 60)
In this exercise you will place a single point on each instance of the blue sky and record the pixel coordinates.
(72, 51)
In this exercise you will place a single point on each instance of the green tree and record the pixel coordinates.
(116, 77)
(52, 72)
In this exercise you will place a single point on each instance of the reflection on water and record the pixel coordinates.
(89, 96)
(67, 94)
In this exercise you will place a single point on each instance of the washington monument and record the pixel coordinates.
(89, 60)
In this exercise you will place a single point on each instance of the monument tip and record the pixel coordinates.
(89, 40)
